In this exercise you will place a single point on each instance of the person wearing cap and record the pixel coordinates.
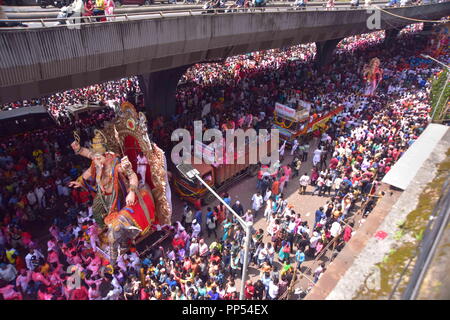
(238, 208)
(196, 229)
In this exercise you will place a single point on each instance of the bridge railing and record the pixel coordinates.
(69, 21)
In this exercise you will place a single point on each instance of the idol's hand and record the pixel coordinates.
(125, 163)
(75, 184)
(75, 146)
(131, 198)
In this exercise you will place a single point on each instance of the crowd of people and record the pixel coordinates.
(205, 257)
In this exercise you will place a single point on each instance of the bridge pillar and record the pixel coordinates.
(324, 51)
(158, 89)
(428, 26)
(390, 36)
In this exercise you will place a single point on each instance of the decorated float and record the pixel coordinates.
(127, 208)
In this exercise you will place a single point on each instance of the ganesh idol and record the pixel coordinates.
(124, 209)
(111, 179)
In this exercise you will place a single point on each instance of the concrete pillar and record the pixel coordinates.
(159, 89)
(390, 36)
(428, 26)
(324, 51)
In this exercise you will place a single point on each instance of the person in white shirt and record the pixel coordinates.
(337, 184)
(262, 256)
(257, 202)
(335, 229)
(317, 156)
(193, 248)
(142, 163)
(281, 150)
(196, 228)
(268, 210)
(31, 197)
(304, 182)
(40, 192)
(267, 195)
(273, 289)
(314, 239)
(294, 147)
(203, 248)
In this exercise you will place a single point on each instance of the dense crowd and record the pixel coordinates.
(106, 93)
(349, 158)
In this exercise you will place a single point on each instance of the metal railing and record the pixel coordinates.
(168, 14)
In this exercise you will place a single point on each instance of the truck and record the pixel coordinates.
(218, 176)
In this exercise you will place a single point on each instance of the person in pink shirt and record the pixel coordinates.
(93, 235)
(287, 173)
(43, 293)
(51, 244)
(55, 279)
(22, 280)
(54, 232)
(52, 257)
(9, 293)
(38, 277)
(95, 265)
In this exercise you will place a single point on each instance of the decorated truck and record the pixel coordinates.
(293, 123)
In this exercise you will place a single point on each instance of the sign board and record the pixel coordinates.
(305, 105)
(284, 111)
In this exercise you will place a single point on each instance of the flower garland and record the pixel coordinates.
(281, 123)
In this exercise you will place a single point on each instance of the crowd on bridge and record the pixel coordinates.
(205, 257)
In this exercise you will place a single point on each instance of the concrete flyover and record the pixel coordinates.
(41, 61)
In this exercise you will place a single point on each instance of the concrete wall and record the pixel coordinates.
(36, 62)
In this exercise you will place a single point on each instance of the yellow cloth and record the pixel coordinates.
(9, 256)
(100, 4)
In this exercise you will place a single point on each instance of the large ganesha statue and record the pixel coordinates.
(126, 207)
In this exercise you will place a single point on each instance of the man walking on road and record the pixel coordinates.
(257, 202)
(304, 182)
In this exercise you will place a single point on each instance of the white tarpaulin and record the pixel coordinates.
(406, 168)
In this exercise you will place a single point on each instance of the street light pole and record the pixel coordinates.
(446, 82)
(189, 172)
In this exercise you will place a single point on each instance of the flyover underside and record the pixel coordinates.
(41, 62)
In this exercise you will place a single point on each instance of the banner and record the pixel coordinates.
(285, 111)
(305, 105)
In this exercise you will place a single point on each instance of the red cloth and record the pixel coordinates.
(347, 234)
(79, 294)
(136, 212)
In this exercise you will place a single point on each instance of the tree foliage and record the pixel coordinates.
(439, 84)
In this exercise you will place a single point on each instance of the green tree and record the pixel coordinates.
(439, 84)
